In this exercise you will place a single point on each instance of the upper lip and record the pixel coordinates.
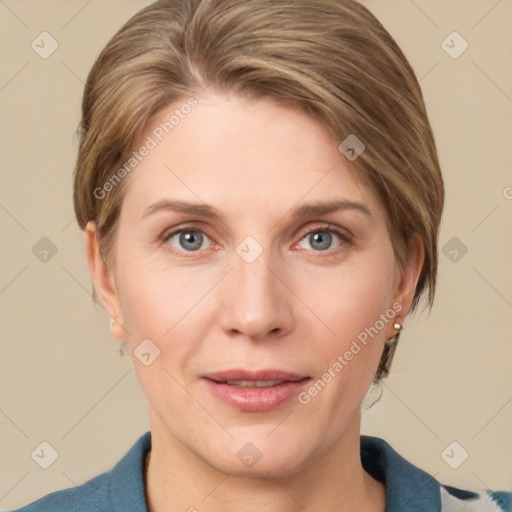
(257, 375)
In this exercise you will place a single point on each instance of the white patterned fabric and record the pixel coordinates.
(480, 501)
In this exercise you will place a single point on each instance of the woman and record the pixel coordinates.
(261, 196)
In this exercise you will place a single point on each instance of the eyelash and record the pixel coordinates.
(345, 237)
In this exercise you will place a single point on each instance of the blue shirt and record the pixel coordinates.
(408, 488)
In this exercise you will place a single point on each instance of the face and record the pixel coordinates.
(254, 282)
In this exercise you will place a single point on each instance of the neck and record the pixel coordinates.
(177, 480)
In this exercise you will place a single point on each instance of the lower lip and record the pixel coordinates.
(256, 399)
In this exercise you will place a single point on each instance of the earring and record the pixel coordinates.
(398, 326)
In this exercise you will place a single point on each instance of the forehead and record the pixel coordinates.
(228, 151)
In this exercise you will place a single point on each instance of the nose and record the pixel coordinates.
(257, 303)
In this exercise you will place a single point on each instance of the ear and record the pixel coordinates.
(104, 283)
(406, 281)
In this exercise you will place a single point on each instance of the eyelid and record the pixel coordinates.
(326, 226)
(345, 235)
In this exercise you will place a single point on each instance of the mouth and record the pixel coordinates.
(256, 391)
(252, 384)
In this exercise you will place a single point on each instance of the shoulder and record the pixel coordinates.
(121, 489)
(87, 497)
(409, 487)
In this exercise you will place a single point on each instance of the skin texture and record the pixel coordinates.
(296, 307)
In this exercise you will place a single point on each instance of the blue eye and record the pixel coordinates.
(320, 239)
(189, 239)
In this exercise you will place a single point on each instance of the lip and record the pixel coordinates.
(255, 399)
(268, 374)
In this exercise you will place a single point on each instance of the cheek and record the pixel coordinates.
(351, 303)
(353, 297)
(155, 294)
(161, 302)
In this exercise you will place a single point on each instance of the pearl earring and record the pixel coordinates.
(398, 326)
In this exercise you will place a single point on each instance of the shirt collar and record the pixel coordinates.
(407, 486)
(127, 484)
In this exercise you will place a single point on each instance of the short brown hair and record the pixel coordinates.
(331, 58)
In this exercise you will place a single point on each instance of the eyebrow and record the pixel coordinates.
(205, 210)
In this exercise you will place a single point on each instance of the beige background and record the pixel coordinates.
(62, 378)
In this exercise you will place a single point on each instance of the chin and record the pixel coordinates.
(259, 456)
(275, 467)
